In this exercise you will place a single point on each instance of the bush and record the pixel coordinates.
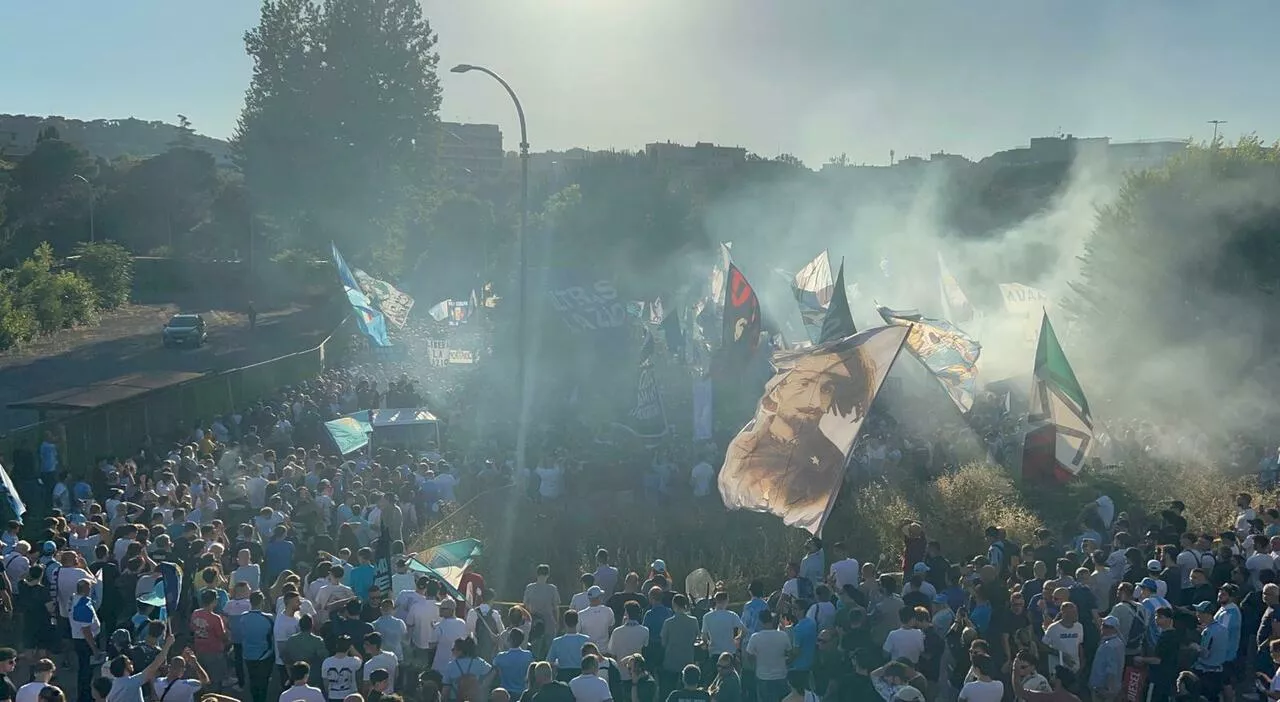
(36, 300)
(108, 268)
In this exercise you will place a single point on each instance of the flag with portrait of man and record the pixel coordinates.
(790, 459)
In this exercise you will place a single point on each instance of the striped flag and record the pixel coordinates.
(1060, 426)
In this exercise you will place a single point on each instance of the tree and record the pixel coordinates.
(161, 200)
(790, 160)
(108, 268)
(186, 135)
(841, 160)
(1179, 280)
(336, 140)
(47, 202)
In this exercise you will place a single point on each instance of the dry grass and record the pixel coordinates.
(738, 546)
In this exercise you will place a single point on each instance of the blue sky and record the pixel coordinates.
(814, 78)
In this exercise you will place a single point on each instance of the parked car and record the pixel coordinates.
(185, 330)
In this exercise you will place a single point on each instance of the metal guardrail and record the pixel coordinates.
(121, 427)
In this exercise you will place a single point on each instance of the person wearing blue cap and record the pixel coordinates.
(1213, 651)
(1151, 602)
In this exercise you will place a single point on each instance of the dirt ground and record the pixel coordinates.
(128, 341)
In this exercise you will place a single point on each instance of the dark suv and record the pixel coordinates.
(185, 330)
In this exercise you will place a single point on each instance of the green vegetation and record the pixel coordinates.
(35, 299)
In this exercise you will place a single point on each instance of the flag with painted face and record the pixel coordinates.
(393, 303)
(790, 459)
(948, 353)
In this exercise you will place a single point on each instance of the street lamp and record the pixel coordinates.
(524, 259)
(84, 180)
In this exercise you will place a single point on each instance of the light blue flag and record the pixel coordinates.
(948, 353)
(370, 319)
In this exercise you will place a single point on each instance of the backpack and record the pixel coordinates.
(1136, 637)
(467, 689)
(486, 634)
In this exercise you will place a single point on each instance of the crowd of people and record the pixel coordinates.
(237, 559)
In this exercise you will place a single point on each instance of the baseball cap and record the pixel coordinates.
(919, 568)
(908, 694)
(659, 566)
(48, 547)
(594, 592)
(940, 599)
(1203, 607)
(77, 519)
(1111, 622)
(1149, 584)
(1154, 566)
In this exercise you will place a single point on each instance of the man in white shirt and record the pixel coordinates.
(769, 648)
(73, 570)
(588, 687)
(844, 569)
(446, 633)
(247, 571)
(173, 687)
(907, 641)
(596, 620)
(378, 658)
(1065, 638)
(332, 594)
(300, 691)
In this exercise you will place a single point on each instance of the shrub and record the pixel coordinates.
(108, 267)
(36, 300)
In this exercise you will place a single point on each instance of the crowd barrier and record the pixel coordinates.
(121, 427)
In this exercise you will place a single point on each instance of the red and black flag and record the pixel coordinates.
(741, 319)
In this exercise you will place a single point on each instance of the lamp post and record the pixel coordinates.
(1215, 123)
(89, 185)
(524, 259)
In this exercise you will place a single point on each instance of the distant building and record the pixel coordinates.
(470, 151)
(1063, 149)
(702, 155)
(15, 144)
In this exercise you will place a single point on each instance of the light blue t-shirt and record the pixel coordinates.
(565, 652)
(718, 625)
(393, 631)
(127, 689)
(804, 636)
(513, 669)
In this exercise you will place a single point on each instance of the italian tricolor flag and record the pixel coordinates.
(1060, 429)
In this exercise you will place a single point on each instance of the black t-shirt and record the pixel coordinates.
(619, 600)
(856, 688)
(1168, 647)
(688, 696)
(8, 691)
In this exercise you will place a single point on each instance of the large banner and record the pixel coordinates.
(393, 303)
(647, 419)
(1022, 299)
(588, 305)
(790, 459)
(370, 319)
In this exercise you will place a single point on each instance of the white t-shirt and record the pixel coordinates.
(385, 660)
(445, 633)
(181, 691)
(1243, 517)
(1257, 563)
(341, 676)
(702, 477)
(589, 688)
(119, 548)
(284, 627)
(579, 601)
(1065, 641)
(770, 647)
(845, 572)
(979, 691)
(31, 692)
(596, 622)
(67, 579)
(904, 643)
(301, 693)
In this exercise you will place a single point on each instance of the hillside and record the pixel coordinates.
(105, 138)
